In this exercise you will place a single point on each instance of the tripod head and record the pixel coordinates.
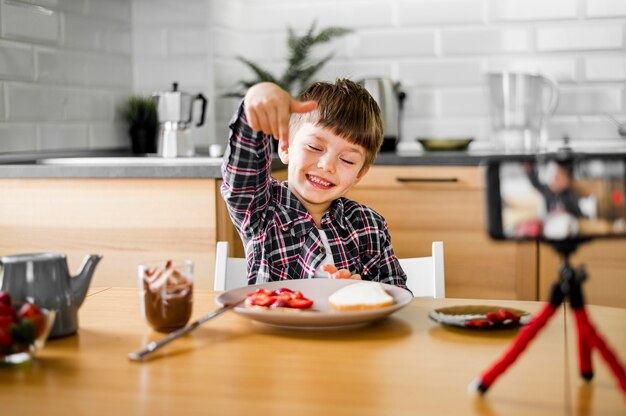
(570, 278)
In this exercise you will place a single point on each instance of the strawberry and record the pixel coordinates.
(496, 317)
(477, 323)
(281, 291)
(5, 298)
(7, 311)
(262, 300)
(300, 303)
(510, 315)
(31, 313)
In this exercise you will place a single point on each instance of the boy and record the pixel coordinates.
(304, 227)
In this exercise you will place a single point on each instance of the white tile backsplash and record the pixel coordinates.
(82, 32)
(394, 43)
(484, 41)
(88, 105)
(469, 102)
(188, 41)
(2, 115)
(520, 10)
(119, 10)
(561, 69)
(16, 61)
(65, 71)
(30, 102)
(589, 100)
(64, 136)
(17, 137)
(605, 68)
(439, 12)
(605, 8)
(58, 66)
(441, 73)
(580, 37)
(31, 23)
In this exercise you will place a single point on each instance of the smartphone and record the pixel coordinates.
(556, 197)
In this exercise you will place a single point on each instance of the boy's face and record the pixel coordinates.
(321, 166)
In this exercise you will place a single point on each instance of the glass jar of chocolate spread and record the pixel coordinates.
(167, 294)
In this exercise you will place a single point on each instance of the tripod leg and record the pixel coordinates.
(526, 335)
(584, 346)
(607, 354)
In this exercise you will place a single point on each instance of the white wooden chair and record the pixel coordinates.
(425, 275)
(230, 272)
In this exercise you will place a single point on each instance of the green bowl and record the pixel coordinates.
(445, 144)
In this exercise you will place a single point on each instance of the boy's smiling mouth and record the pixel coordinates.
(319, 182)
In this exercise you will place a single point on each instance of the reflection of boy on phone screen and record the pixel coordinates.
(557, 192)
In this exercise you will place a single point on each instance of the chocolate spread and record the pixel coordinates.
(168, 301)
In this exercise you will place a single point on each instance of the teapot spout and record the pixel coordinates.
(80, 282)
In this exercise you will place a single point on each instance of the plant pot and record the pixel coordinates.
(143, 140)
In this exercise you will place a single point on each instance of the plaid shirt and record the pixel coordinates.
(280, 237)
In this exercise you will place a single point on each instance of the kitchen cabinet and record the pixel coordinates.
(429, 203)
(128, 220)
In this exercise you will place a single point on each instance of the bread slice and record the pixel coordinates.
(360, 296)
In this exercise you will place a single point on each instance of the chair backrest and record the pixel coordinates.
(230, 272)
(425, 275)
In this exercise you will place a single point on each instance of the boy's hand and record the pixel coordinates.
(334, 273)
(267, 108)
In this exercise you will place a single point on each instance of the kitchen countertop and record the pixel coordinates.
(29, 165)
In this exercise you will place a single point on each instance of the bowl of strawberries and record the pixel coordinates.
(24, 329)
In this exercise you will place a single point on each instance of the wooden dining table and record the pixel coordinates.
(405, 364)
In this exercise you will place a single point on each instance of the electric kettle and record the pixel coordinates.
(389, 97)
(175, 113)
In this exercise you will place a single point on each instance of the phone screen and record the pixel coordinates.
(557, 200)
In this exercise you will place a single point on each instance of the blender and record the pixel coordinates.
(521, 104)
(175, 112)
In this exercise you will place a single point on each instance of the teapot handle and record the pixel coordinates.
(202, 98)
(554, 94)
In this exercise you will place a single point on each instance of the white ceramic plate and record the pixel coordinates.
(322, 316)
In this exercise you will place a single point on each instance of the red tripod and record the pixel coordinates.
(569, 285)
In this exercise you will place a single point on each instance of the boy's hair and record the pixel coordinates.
(348, 110)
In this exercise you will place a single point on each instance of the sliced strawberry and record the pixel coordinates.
(298, 295)
(510, 315)
(477, 323)
(300, 303)
(262, 300)
(281, 291)
(496, 317)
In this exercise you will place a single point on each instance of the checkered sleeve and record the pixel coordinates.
(246, 174)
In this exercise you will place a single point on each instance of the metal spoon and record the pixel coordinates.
(144, 353)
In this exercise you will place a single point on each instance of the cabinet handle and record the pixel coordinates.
(427, 180)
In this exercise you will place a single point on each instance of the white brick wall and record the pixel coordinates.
(172, 43)
(64, 66)
(440, 50)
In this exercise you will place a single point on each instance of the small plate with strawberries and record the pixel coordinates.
(480, 316)
(24, 329)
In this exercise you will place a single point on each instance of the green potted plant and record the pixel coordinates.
(140, 114)
(301, 69)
